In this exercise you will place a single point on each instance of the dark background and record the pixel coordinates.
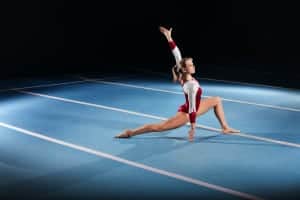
(252, 41)
(235, 40)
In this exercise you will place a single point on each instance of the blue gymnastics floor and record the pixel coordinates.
(57, 141)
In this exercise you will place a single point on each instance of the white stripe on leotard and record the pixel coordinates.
(177, 55)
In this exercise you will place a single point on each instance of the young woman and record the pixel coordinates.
(194, 106)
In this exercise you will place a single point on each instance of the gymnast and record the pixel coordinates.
(193, 107)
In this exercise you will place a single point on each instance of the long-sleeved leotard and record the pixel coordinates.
(191, 88)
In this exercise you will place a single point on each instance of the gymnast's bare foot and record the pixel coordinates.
(125, 134)
(228, 130)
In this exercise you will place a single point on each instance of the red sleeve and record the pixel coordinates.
(172, 44)
(192, 117)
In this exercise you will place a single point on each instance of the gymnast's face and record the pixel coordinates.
(189, 66)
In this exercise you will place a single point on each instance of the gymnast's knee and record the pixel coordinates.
(218, 100)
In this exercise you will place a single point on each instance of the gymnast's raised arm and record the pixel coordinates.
(175, 51)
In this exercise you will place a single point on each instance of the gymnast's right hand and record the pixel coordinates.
(167, 33)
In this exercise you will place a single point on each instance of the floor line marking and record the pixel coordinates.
(290, 144)
(132, 163)
(54, 84)
(180, 93)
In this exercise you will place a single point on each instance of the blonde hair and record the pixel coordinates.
(183, 61)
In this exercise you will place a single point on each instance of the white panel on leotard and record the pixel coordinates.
(177, 55)
(191, 88)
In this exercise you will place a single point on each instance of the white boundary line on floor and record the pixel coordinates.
(84, 80)
(132, 163)
(218, 80)
(57, 84)
(180, 93)
(157, 117)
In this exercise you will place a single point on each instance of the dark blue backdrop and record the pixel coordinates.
(239, 40)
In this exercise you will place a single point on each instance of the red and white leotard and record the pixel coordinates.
(191, 89)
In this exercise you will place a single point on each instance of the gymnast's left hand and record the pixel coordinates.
(191, 134)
